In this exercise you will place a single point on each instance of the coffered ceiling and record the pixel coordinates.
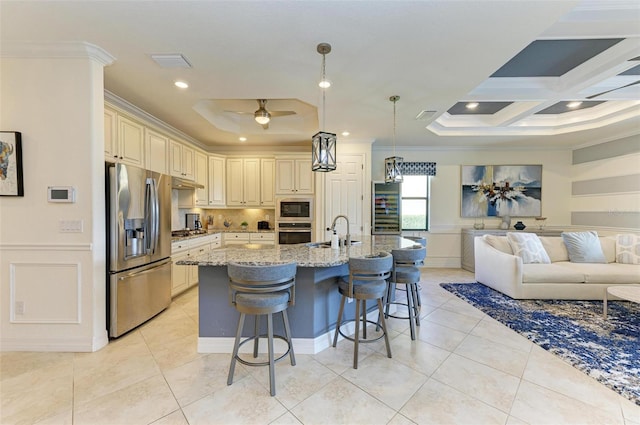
(522, 62)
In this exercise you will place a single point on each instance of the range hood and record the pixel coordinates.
(179, 183)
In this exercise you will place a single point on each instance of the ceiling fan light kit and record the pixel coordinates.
(323, 144)
(393, 164)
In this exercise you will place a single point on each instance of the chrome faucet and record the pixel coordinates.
(347, 240)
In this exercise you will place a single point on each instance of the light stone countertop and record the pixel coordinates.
(302, 254)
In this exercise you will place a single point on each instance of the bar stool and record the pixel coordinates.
(406, 272)
(261, 290)
(367, 280)
(422, 241)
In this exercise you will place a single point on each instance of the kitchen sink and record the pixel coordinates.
(327, 244)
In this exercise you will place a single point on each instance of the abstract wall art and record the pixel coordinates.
(11, 164)
(501, 190)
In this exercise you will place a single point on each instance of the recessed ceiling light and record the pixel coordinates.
(573, 104)
(243, 139)
(345, 133)
(472, 105)
(181, 84)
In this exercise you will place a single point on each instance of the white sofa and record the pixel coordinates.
(497, 267)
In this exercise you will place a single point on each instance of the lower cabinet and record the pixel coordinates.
(266, 238)
(184, 277)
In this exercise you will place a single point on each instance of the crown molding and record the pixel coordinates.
(65, 50)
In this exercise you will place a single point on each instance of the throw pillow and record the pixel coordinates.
(628, 249)
(499, 242)
(583, 247)
(528, 247)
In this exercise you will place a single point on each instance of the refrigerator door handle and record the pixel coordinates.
(152, 214)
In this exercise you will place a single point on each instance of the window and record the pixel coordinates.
(415, 203)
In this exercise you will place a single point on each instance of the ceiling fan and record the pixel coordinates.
(262, 115)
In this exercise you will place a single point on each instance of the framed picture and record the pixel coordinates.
(501, 190)
(11, 164)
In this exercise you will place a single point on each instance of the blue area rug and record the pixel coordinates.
(608, 350)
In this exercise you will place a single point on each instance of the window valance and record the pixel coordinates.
(419, 168)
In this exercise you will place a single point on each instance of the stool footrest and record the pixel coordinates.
(347, 337)
(266, 363)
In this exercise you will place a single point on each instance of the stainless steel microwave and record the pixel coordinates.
(294, 209)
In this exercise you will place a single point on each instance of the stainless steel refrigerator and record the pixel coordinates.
(139, 246)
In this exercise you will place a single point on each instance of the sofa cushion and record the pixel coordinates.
(628, 249)
(583, 247)
(608, 245)
(613, 273)
(528, 247)
(551, 273)
(555, 247)
(499, 242)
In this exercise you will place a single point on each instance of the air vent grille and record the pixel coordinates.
(425, 115)
(174, 60)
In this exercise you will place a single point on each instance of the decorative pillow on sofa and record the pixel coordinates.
(583, 247)
(499, 242)
(528, 247)
(628, 249)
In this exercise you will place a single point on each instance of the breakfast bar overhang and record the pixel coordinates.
(314, 314)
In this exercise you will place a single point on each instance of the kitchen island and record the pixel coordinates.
(314, 314)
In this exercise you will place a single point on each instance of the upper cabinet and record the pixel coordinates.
(157, 151)
(267, 182)
(250, 182)
(123, 139)
(294, 177)
(181, 160)
(217, 179)
(201, 163)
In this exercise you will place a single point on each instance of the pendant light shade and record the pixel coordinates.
(323, 143)
(393, 165)
(324, 152)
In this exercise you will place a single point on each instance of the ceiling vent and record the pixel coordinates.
(174, 60)
(425, 115)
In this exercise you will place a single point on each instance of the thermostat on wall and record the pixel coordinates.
(61, 194)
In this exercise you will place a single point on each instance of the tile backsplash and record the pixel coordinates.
(236, 216)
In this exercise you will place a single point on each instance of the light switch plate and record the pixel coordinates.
(70, 226)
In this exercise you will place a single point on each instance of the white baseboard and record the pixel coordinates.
(75, 345)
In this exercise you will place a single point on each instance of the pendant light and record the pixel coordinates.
(323, 144)
(393, 165)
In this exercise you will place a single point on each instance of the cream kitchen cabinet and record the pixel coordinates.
(243, 182)
(124, 139)
(267, 182)
(181, 160)
(294, 177)
(184, 277)
(157, 151)
(201, 164)
(265, 238)
(217, 179)
(239, 238)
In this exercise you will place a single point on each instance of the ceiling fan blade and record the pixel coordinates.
(239, 112)
(609, 91)
(281, 113)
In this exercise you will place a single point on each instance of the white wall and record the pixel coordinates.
(54, 96)
(444, 238)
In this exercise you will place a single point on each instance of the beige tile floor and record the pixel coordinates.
(465, 368)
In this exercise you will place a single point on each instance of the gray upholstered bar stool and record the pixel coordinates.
(406, 272)
(422, 241)
(261, 290)
(367, 280)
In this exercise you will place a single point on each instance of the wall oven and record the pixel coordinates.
(293, 232)
(294, 220)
